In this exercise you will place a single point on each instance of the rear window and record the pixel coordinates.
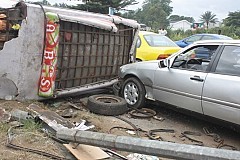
(155, 40)
(229, 62)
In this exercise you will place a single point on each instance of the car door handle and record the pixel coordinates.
(197, 78)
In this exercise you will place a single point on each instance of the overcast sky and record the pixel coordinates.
(189, 8)
(195, 8)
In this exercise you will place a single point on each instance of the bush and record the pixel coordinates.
(176, 35)
(231, 31)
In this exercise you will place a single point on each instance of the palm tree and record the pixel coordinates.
(208, 17)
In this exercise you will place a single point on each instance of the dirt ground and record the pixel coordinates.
(180, 123)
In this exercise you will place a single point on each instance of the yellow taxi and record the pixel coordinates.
(152, 46)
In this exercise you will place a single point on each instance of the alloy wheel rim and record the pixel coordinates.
(131, 93)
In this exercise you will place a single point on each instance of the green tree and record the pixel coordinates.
(102, 6)
(44, 2)
(233, 19)
(154, 13)
(62, 5)
(130, 14)
(208, 17)
(175, 18)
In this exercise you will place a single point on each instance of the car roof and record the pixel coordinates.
(233, 42)
(211, 34)
(207, 34)
(146, 32)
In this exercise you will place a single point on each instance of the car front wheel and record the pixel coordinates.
(133, 92)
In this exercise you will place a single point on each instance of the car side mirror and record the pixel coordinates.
(164, 63)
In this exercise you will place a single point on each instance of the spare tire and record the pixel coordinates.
(109, 105)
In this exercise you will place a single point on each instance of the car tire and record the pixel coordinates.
(108, 105)
(138, 60)
(133, 92)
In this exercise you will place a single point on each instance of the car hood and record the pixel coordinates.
(141, 64)
(145, 68)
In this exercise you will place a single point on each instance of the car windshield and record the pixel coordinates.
(155, 40)
(225, 37)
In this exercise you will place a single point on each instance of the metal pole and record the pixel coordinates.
(149, 147)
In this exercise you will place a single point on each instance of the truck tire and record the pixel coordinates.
(108, 105)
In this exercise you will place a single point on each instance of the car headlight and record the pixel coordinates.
(120, 71)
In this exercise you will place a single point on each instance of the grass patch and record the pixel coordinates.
(31, 126)
(4, 127)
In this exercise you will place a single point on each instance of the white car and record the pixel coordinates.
(203, 77)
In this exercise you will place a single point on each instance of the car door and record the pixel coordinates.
(181, 84)
(221, 89)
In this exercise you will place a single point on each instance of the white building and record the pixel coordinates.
(213, 25)
(182, 25)
(8, 4)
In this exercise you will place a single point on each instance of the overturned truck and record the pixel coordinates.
(49, 52)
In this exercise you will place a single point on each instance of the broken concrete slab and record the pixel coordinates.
(55, 121)
(51, 118)
(19, 115)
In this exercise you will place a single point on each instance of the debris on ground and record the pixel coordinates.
(68, 113)
(189, 135)
(136, 156)
(218, 139)
(142, 113)
(82, 127)
(131, 132)
(56, 104)
(152, 134)
(19, 115)
(86, 152)
(69, 104)
(10, 144)
(4, 116)
(159, 118)
(52, 119)
(78, 117)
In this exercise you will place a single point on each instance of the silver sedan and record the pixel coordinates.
(203, 77)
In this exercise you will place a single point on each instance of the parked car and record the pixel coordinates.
(143, 27)
(152, 46)
(206, 86)
(197, 37)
